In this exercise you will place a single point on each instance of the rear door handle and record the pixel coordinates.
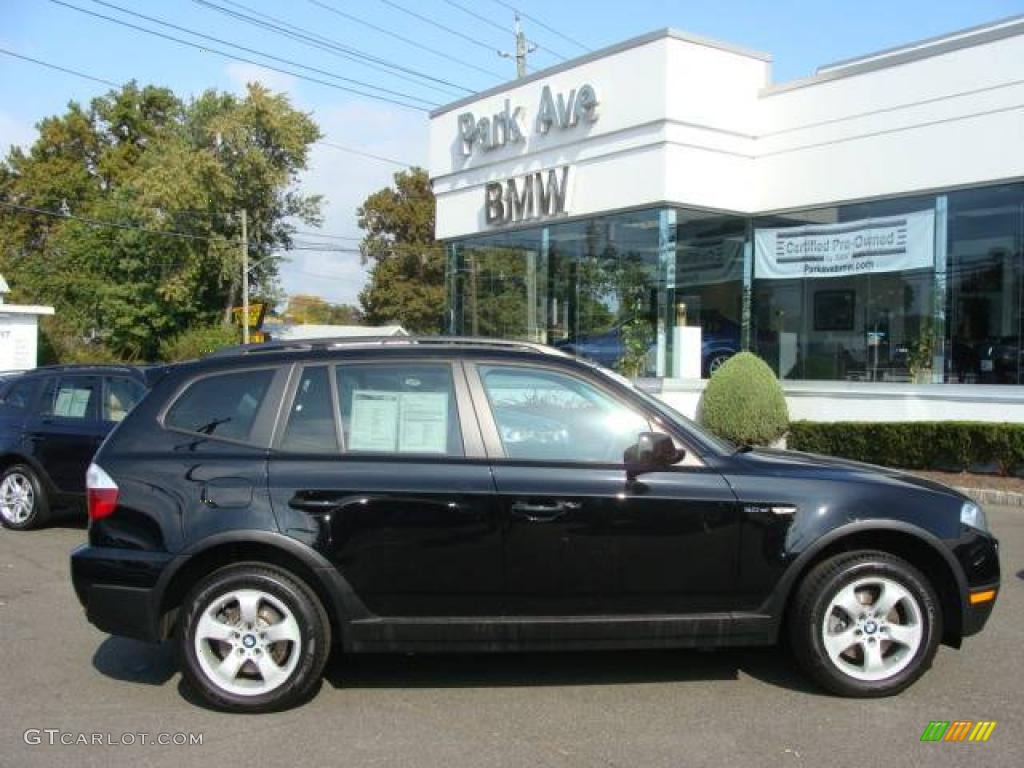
(543, 513)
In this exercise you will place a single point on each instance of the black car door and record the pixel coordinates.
(579, 539)
(381, 468)
(65, 430)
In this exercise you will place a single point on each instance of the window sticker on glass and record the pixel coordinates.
(374, 421)
(423, 424)
(72, 403)
(406, 422)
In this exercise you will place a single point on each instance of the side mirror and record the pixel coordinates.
(652, 451)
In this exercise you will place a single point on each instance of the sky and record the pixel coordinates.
(459, 49)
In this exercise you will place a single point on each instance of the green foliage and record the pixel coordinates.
(200, 341)
(943, 445)
(143, 157)
(407, 277)
(743, 402)
(637, 336)
(305, 309)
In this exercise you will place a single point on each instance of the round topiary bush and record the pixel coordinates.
(743, 402)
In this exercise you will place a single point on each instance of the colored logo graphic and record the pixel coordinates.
(958, 730)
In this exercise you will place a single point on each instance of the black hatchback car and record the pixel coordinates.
(52, 420)
(264, 505)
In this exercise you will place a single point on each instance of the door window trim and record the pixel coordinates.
(492, 435)
(465, 412)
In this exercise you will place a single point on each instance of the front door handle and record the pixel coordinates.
(543, 513)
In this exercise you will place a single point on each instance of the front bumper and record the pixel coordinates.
(978, 555)
(118, 589)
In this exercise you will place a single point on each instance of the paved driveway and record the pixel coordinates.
(720, 708)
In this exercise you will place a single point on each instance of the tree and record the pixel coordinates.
(408, 266)
(142, 157)
(306, 309)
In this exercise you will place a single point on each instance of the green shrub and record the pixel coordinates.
(944, 445)
(743, 402)
(199, 341)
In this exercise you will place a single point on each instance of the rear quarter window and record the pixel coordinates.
(222, 405)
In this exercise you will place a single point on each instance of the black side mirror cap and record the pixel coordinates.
(652, 451)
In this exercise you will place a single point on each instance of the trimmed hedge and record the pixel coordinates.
(743, 401)
(942, 445)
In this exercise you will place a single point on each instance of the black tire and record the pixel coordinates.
(39, 513)
(814, 602)
(278, 585)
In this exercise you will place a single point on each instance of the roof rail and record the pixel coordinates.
(351, 342)
(57, 367)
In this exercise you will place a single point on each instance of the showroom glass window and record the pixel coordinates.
(984, 315)
(605, 303)
(848, 293)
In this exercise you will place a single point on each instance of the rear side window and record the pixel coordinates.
(224, 405)
(71, 397)
(399, 409)
(311, 418)
(120, 395)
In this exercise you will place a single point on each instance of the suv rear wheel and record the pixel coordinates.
(254, 638)
(23, 502)
(865, 624)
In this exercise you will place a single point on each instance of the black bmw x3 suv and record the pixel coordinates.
(444, 494)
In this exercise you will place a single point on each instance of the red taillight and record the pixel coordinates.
(100, 493)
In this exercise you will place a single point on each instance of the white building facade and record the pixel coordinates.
(661, 204)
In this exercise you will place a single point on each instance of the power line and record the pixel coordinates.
(540, 23)
(301, 246)
(496, 25)
(439, 25)
(261, 53)
(406, 40)
(235, 57)
(335, 48)
(74, 72)
(366, 154)
(113, 224)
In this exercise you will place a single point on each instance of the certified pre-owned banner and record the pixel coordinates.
(888, 244)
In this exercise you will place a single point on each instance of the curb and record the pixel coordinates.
(986, 496)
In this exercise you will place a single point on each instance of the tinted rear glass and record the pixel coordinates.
(223, 405)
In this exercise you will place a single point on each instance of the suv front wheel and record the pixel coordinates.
(865, 624)
(253, 638)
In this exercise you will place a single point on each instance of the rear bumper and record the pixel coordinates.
(117, 589)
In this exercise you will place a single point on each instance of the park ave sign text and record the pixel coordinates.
(536, 195)
(507, 126)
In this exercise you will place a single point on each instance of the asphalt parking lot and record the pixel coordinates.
(722, 708)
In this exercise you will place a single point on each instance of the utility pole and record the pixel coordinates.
(523, 48)
(245, 278)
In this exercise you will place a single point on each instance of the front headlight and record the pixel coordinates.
(974, 516)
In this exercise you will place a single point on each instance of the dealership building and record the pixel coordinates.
(662, 203)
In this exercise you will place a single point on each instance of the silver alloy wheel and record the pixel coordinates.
(247, 642)
(17, 498)
(873, 628)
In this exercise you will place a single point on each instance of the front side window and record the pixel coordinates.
(401, 409)
(224, 405)
(545, 415)
(19, 394)
(311, 418)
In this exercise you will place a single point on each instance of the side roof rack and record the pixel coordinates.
(57, 368)
(349, 342)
